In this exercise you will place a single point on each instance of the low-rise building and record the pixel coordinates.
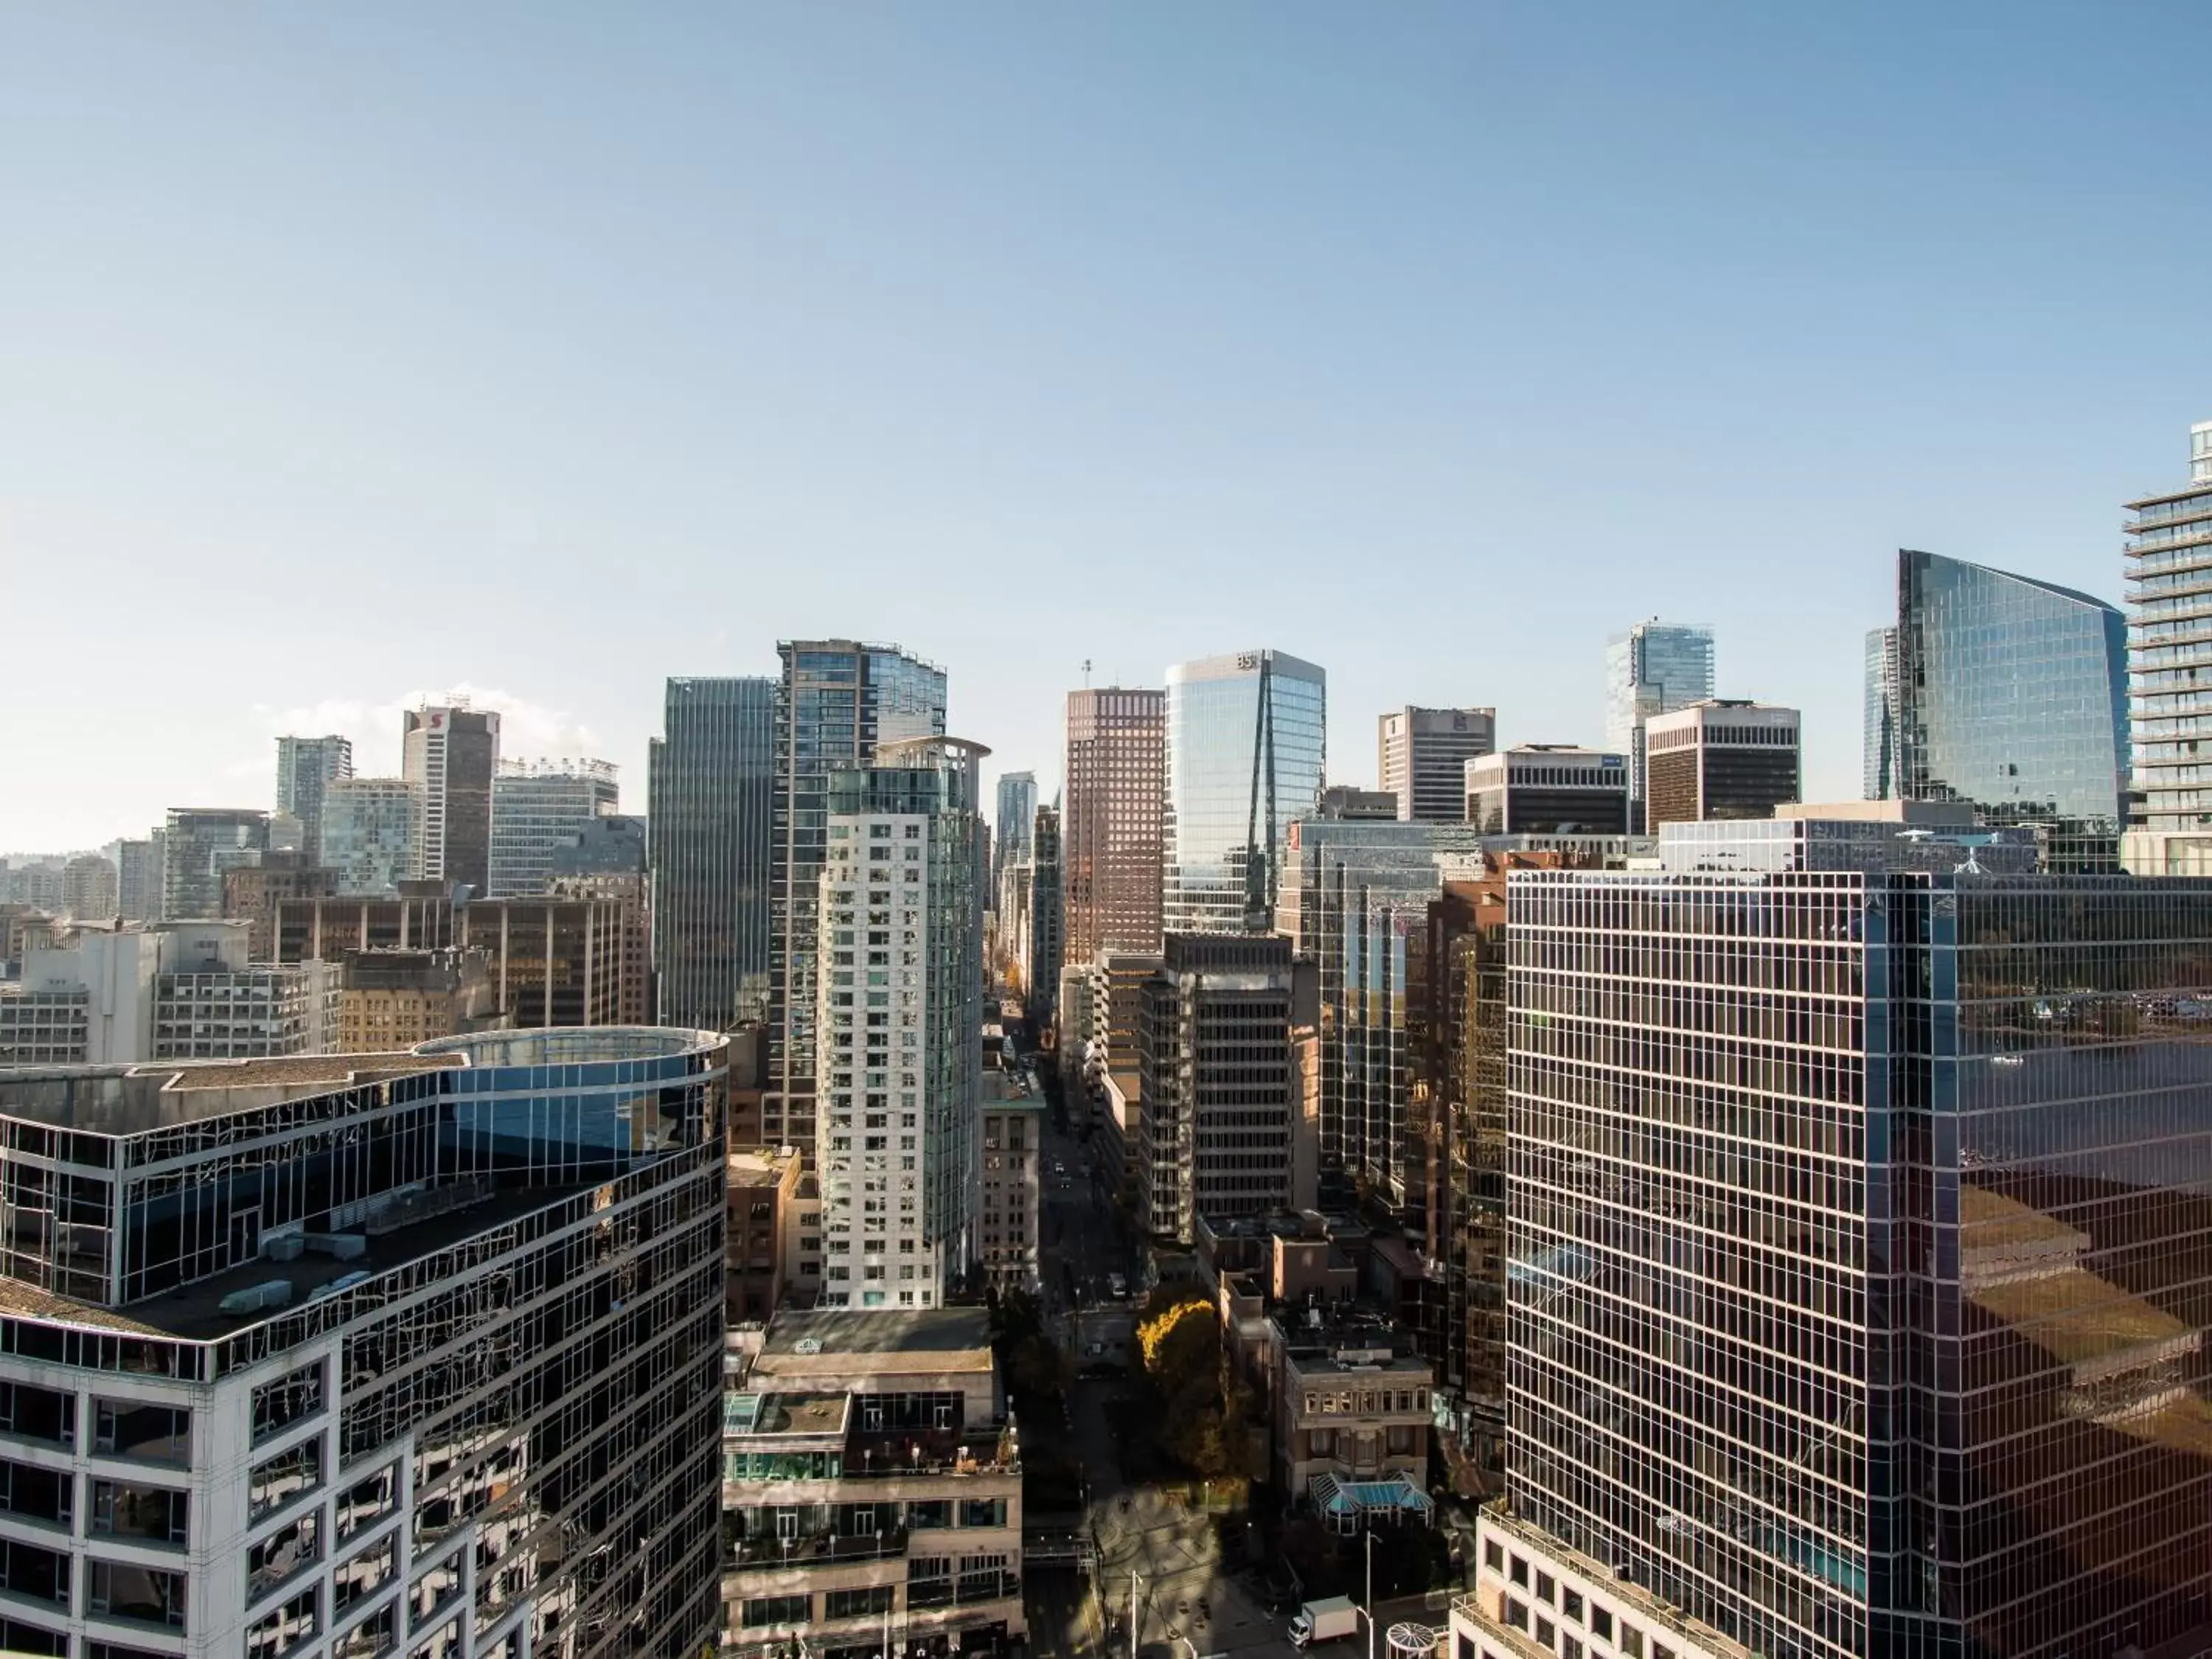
(396, 999)
(763, 1231)
(1533, 1595)
(1013, 1140)
(250, 893)
(871, 1489)
(174, 991)
(1353, 1414)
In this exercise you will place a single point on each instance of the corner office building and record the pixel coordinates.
(1720, 758)
(412, 1352)
(1861, 1247)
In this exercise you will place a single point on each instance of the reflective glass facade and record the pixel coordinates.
(536, 810)
(2012, 696)
(710, 798)
(837, 701)
(421, 1358)
(1879, 736)
(1246, 740)
(1860, 1254)
(1654, 668)
(1355, 905)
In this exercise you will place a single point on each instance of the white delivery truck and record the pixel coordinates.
(1324, 1621)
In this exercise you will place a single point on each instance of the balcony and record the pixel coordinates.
(986, 1449)
(819, 1549)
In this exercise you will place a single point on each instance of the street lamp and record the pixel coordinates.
(1370, 1608)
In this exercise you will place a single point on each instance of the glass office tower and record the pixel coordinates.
(1010, 841)
(1879, 733)
(1654, 668)
(408, 1354)
(2169, 553)
(710, 795)
(1247, 740)
(837, 700)
(2012, 696)
(1860, 1202)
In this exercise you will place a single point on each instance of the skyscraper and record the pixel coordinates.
(2169, 554)
(450, 752)
(1880, 732)
(899, 1004)
(1247, 742)
(710, 804)
(1116, 763)
(1220, 1090)
(199, 844)
(1857, 1214)
(305, 768)
(1017, 804)
(2012, 698)
(369, 830)
(537, 806)
(1421, 756)
(837, 701)
(1654, 668)
(1042, 951)
(1720, 758)
(139, 880)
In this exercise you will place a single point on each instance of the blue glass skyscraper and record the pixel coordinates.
(1654, 668)
(711, 792)
(1246, 740)
(2011, 697)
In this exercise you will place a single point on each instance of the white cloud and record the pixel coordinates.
(527, 730)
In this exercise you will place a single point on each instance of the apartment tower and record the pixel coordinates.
(2169, 572)
(837, 701)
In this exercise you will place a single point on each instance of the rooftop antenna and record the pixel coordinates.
(1086, 673)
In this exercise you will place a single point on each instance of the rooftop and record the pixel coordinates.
(126, 1100)
(813, 1344)
(794, 1414)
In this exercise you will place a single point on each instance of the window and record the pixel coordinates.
(286, 1628)
(872, 1602)
(1570, 1604)
(366, 1502)
(16, 1637)
(37, 1414)
(366, 1573)
(1570, 1648)
(153, 1434)
(1516, 1613)
(1631, 1642)
(285, 1476)
(1493, 1557)
(445, 1643)
(1520, 1571)
(144, 1514)
(983, 1512)
(433, 1588)
(37, 1494)
(122, 1591)
(286, 1401)
(763, 1610)
(372, 1636)
(1660, 1650)
(1546, 1631)
(283, 1553)
(1601, 1624)
(1544, 1587)
(41, 1575)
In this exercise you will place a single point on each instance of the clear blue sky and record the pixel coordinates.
(352, 352)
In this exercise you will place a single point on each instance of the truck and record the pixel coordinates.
(1324, 1621)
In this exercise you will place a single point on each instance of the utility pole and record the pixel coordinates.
(1371, 1593)
(1133, 1582)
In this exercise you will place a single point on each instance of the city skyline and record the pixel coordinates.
(1468, 295)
